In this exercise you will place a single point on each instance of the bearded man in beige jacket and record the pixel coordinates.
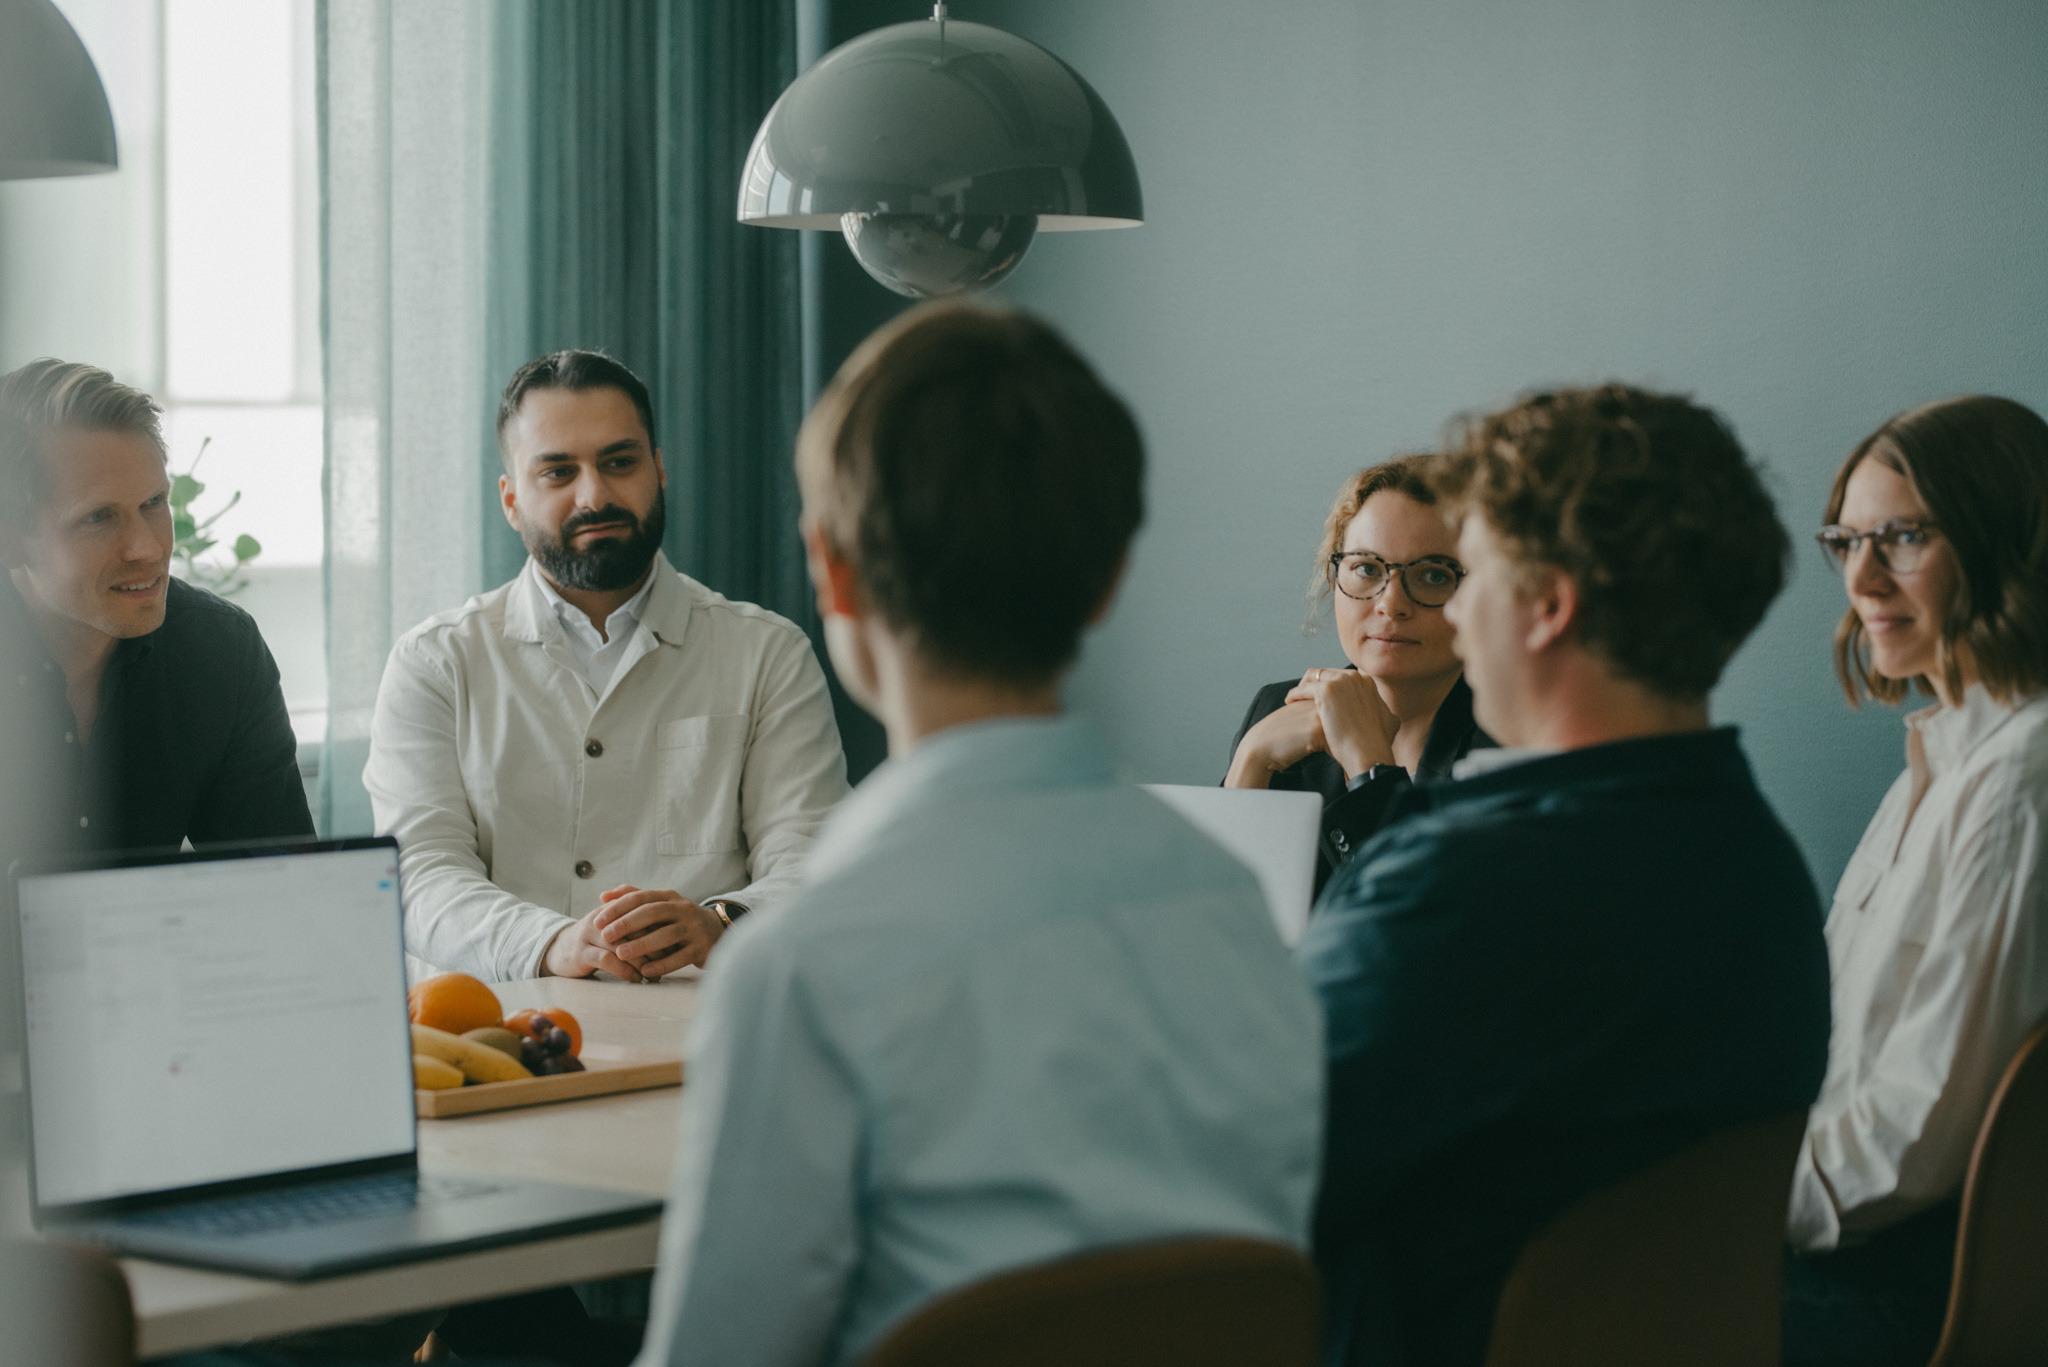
(599, 765)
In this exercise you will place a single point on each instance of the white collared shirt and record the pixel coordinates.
(597, 655)
(1018, 1010)
(1938, 941)
(1501, 757)
(519, 790)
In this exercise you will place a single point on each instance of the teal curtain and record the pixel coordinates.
(620, 130)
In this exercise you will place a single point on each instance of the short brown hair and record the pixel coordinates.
(1406, 475)
(1651, 506)
(575, 371)
(48, 394)
(1980, 464)
(982, 481)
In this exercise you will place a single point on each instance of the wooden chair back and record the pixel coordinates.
(1998, 1302)
(1677, 1265)
(70, 1306)
(1202, 1302)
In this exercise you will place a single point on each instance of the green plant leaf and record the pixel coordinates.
(200, 546)
(184, 489)
(247, 547)
(218, 515)
(181, 531)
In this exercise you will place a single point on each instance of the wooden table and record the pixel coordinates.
(624, 1142)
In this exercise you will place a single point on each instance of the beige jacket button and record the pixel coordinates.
(584, 868)
(593, 748)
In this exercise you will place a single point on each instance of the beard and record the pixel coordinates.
(612, 563)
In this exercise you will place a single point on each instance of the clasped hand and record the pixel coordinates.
(635, 934)
(1338, 711)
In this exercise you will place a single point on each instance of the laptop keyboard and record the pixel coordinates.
(267, 1212)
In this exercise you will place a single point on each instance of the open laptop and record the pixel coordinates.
(1272, 833)
(219, 1069)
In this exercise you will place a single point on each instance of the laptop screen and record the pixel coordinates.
(1271, 832)
(213, 1019)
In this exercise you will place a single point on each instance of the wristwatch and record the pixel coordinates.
(726, 912)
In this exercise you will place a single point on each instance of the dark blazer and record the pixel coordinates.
(1536, 981)
(1351, 815)
(192, 739)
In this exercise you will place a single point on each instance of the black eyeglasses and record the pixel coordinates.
(1900, 545)
(1428, 582)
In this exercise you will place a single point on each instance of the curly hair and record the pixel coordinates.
(1980, 464)
(1401, 475)
(1651, 506)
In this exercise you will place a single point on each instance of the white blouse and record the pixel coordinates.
(1938, 940)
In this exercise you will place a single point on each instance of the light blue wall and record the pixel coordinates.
(1365, 217)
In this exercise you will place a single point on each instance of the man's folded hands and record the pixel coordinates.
(635, 934)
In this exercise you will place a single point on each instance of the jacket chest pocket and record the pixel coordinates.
(1859, 882)
(699, 762)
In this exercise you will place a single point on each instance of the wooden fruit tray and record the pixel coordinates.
(605, 1071)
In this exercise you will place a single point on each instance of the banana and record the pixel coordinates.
(433, 1075)
(478, 1062)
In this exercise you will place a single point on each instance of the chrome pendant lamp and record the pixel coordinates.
(54, 119)
(940, 149)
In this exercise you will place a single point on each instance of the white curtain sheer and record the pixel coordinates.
(404, 103)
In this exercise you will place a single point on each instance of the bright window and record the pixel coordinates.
(230, 112)
(241, 360)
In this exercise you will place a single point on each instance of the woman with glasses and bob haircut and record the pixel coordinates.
(1358, 735)
(1938, 936)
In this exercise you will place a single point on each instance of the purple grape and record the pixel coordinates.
(531, 1055)
(557, 1040)
(568, 1063)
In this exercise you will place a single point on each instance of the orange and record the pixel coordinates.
(522, 1023)
(454, 1002)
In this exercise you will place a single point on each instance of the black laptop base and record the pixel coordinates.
(513, 1211)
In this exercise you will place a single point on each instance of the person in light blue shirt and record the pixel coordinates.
(1018, 1009)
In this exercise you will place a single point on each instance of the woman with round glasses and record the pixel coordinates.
(1939, 932)
(1401, 710)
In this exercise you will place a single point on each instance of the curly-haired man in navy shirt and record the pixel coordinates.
(1591, 947)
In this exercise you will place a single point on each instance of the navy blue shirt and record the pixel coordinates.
(1536, 981)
